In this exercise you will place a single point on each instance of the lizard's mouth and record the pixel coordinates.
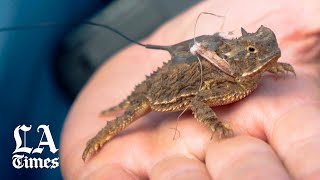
(267, 63)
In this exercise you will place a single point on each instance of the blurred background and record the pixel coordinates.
(43, 69)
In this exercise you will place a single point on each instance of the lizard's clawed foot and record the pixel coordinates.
(223, 129)
(282, 68)
(93, 145)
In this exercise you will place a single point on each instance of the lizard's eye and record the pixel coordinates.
(251, 49)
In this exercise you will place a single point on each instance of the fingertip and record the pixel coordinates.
(106, 172)
(296, 139)
(179, 168)
(243, 157)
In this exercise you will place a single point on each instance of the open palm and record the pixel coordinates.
(277, 127)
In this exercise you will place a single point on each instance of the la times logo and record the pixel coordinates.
(21, 160)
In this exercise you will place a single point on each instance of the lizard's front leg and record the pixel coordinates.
(206, 115)
(281, 68)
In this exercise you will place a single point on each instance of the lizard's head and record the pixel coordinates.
(251, 54)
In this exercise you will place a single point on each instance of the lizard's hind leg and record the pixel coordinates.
(137, 109)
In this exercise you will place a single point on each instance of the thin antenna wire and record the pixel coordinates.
(178, 118)
(224, 20)
(115, 31)
(53, 24)
(194, 41)
(195, 26)
(201, 72)
(149, 46)
(177, 121)
(33, 26)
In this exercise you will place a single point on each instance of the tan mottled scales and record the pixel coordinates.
(176, 85)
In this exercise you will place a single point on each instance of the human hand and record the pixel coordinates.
(277, 127)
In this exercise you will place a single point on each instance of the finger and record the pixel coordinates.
(109, 171)
(179, 168)
(296, 139)
(243, 157)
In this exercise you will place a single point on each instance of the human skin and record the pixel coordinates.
(277, 127)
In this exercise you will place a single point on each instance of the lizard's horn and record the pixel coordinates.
(261, 28)
(244, 32)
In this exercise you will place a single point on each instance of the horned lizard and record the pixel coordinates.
(185, 83)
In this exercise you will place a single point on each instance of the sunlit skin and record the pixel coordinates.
(277, 127)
